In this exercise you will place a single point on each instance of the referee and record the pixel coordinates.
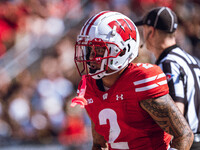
(182, 70)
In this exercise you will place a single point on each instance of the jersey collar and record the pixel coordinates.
(165, 53)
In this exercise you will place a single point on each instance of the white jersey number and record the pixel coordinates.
(114, 128)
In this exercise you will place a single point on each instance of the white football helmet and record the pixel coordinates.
(116, 34)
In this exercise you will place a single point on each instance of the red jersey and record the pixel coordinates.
(117, 114)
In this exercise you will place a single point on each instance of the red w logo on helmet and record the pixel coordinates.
(125, 28)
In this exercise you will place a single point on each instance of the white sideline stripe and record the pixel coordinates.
(149, 79)
(150, 86)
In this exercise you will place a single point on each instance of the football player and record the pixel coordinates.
(128, 104)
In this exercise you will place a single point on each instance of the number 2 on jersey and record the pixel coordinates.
(115, 130)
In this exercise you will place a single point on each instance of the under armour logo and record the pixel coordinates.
(105, 96)
(119, 97)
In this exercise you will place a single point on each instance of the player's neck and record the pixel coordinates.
(110, 80)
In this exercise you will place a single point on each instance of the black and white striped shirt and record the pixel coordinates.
(183, 75)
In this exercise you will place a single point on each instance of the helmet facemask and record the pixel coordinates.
(95, 57)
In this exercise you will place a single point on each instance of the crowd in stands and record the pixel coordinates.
(35, 104)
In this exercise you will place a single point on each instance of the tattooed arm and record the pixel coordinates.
(167, 115)
(99, 143)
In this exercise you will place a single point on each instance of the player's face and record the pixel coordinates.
(94, 54)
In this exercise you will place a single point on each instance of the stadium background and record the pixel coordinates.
(38, 77)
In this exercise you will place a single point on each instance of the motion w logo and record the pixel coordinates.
(125, 28)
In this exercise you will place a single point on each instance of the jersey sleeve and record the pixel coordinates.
(175, 78)
(150, 82)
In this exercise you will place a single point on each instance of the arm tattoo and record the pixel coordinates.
(167, 115)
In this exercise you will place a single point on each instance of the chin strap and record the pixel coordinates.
(80, 100)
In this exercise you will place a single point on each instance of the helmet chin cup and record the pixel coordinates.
(110, 30)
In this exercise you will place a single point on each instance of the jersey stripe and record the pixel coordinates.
(149, 87)
(145, 83)
(162, 82)
(149, 79)
(146, 88)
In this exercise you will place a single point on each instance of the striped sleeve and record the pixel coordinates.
(151, 83)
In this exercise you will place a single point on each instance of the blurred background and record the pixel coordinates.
(38, 77)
